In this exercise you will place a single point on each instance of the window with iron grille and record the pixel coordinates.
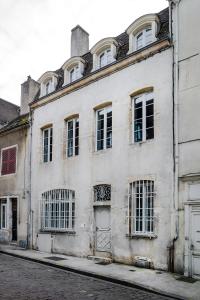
(8, 160)
(141, 207)
(104, 128)
(47, 135)
(102, 192)
(58, 210)
(72, 137)
(143, 123)
(3, 213)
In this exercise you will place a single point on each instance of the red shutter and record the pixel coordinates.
(8, 161)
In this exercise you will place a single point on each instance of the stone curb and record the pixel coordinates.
(96, 275)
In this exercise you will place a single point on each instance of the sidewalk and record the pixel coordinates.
(158, 281)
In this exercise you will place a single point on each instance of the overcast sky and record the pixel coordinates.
(35, 34)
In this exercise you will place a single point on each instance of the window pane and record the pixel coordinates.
(76, 137)
(70, 137)
(109, 130)
(100, 130)
(149, 119)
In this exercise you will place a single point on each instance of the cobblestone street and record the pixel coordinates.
(20, 280)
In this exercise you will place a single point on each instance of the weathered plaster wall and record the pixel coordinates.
(118, 166)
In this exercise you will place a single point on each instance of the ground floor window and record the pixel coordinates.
(58, 210)
(141, 207)
(3, 214)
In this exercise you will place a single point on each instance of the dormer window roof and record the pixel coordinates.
(104, 53)
(48, 82)
(73, 69)
(142, 32)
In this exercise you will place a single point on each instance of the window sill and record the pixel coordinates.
(142, 236)
(102, 203)
(99, 152)
(69, 232)
(138, 144)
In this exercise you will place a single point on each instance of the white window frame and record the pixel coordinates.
(74, 120)
(145, 222)
(142, 98)
(57, 210)
(50, 146)
(105, 110)
(144, 37)
(77, 73)
(3, 205)
(107, 53)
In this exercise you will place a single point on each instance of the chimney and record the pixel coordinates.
(79, 41)
(29, 90)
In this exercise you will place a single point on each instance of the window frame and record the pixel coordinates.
(144, 98)
(107, 57)
(75, 137)
(143, 32)
(141, 220)
(4, 149)
(76, 70)
(49, 145)
(105, 110)
(3, 203)
(64, 215)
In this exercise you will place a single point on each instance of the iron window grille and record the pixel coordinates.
(143, 123)
(72, 137)
(104, 128)
(102, 192)
(141, 207)
(57, 209)
(47, 136)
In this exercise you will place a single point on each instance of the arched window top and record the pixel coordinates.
(104, 52)
(143, 31)
(48, 82)
(73, 69)
(58, 194)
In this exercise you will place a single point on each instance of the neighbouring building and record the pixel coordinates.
(8, 111)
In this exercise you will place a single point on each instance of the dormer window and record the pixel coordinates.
(105, 58)
(142, 32)
(104, 53)
(48, 82)
(73, 69)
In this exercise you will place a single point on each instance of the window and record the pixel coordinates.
(3, 207)
(141, 207)
(47, 134)
(74, 74)
(105, 58)
(48, 87)
(143, 106)
(104, 128)
(58, 210)
(102, 192)
(144, 38)
(73, 137)
(8, 161)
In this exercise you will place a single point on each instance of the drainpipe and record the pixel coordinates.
(174, 6)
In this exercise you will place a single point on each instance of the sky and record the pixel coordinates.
(35, 34)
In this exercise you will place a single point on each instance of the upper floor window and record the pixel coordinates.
(48, 87)
(104, 52)
(142, 32)
(73, 137)
(141, 207)
(8, 160)
(143, 122)
(73, 69)
(48, 82)
(104, 128)
(47, 141)
(144, 38)
(58, 210)
(105, 58)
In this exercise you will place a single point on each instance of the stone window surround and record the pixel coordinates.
(69, 65)
(140, 24)
(44, 79)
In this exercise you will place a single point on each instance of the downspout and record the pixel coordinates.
(174, 5)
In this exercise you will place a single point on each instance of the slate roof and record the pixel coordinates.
(123, 42)
(20, 121)
(8, 111)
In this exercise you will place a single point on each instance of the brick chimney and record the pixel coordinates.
(79, 41)
(29, 90)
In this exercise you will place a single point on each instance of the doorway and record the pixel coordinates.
(195, 241)
(14, 219)
(102, 230)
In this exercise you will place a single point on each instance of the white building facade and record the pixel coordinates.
(102, 149)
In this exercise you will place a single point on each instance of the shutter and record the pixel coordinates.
(8, 161)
